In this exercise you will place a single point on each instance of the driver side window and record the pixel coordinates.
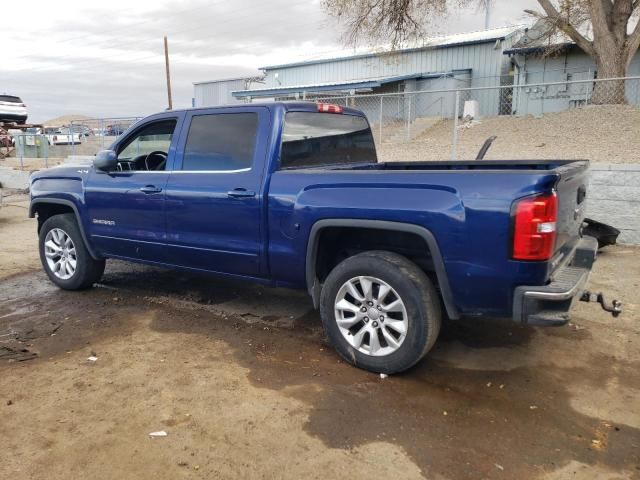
(147, 149)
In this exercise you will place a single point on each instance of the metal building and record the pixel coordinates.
(536, 60)
(470, 59)
(218, 92)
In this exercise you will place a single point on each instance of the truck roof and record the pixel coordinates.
(289, 106)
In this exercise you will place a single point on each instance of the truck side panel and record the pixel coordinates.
(467, 212)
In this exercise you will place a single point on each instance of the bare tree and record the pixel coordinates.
(606, 30)
(613, 40)
(394, 21)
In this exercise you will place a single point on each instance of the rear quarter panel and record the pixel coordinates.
(468, 212)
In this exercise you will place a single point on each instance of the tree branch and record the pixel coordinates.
(554, 16)
(632, 44)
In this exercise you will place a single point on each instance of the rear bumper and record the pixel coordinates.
(550, 304)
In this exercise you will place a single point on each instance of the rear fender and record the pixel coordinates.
(313, 284)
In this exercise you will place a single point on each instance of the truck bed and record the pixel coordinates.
(510, 165)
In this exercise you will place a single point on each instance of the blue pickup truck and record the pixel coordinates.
(292, 195)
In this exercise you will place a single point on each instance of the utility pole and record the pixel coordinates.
(166, 63)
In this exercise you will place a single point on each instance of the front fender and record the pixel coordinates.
(62, 187)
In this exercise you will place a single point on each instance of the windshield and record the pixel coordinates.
(312, 139)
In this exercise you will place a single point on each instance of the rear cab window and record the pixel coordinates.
(316, 139)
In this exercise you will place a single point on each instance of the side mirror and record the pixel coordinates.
(106, 160)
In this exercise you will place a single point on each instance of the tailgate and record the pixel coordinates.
(571, 189)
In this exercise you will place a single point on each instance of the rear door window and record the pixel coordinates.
(221, 142)
(312, 139)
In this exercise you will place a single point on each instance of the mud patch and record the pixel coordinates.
(454, 422)
(485, 398)
(19, 354)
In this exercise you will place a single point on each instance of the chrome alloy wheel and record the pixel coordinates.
(371, 316)
(60, 253)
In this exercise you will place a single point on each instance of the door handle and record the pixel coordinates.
(241, 193)
(150, 189)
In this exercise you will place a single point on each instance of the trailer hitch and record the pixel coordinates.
(614, 309)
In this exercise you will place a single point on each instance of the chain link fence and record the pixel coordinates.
(396, 119)
(47, 145)
(401, 117)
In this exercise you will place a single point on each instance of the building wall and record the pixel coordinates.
(573, 65)
(485, 61)
(216, 93)
(614, 198)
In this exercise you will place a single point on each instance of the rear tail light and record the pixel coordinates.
(329, 108)
(534, 227)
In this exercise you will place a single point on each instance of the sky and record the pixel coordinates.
(105, 59)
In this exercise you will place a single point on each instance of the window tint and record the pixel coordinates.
(314, 139)
(151, 138)
(224, 141)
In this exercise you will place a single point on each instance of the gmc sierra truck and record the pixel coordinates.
(292, 195)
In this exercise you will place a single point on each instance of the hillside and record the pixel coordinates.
(65, 119)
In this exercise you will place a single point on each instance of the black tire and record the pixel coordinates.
(88, 270)
(416, 291)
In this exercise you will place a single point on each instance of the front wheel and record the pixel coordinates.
(65, 257)
(380, 311)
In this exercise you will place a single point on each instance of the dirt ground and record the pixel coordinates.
(242, 381)
(605, 133)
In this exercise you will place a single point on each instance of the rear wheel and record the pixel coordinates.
(380, 311)
(64, 255)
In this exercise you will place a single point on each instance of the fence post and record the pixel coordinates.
(44, 141)
(586, 89)
(73, 144)
(21, 142)
(454, 140)
(380, 118)
(409, 119)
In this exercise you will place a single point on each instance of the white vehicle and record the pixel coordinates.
(63, 136)
(12, 109)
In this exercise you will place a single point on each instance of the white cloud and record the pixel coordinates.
(106, 58)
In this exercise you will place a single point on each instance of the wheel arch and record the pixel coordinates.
(313, 244)
(53, 207)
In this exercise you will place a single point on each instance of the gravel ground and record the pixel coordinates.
(609, 134)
